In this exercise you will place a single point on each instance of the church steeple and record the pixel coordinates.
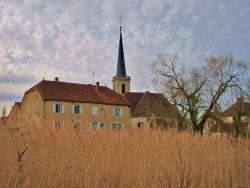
(121, 82)
(121, 68)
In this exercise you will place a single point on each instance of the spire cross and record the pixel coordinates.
(120, 22)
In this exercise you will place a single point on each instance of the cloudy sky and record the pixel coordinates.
(71, 39)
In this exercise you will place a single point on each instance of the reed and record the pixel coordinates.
(138, 158)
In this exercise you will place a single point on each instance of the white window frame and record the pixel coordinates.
(98, 127)
(58, 109)
(116, 127)
(94, 110)
(117, 112)
(57, 125)
(94, 126)
(77, 109)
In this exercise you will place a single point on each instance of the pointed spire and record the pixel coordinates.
(121, 68)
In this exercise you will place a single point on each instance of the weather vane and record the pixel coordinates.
(120, 22)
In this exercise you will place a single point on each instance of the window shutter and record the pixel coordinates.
(81, 109)
(54, 108)
(73, 109)
(94, 110)
(120, 111)
(113, 111)
(63, 125)
(63, 109)
(53, 125)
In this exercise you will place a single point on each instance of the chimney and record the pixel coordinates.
(97, 86)
(56, 79)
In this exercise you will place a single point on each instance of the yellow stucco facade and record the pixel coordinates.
(14, 118)
(83, 116)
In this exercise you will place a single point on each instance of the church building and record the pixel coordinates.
(147, 109)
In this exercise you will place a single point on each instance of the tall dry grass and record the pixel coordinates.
(139, 158)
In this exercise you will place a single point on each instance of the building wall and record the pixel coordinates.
(37, 112)
(31, 113)
(142, 120)
(153, 122)
(84, 121)
(231, 119)
(14, 117)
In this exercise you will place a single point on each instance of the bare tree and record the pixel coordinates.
(248, 89)
(196, 91)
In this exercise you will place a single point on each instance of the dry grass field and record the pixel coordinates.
(139, 158)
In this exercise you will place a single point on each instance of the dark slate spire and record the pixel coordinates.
(121, 68)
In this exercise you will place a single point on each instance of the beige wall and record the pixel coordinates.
(104, 115)
(153, 122)
(36, 112)
(14, 117)
(231, 120)
(31, 109)
(136, 120)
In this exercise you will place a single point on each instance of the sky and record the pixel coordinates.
(72, 39)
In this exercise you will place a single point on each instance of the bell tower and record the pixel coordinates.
(121, 82)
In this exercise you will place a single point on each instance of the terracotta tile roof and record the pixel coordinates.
(239, 107)
(145, 104)
(73, 92)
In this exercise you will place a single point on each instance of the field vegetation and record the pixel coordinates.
(135, 158)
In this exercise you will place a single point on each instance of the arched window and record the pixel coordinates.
(123, 88)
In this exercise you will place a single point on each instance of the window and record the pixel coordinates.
(117, 112)
(101, 125)
(123, 88)
(116, 127)
(77, 109)
(58, 109)
(96, 126)
(57, 125)
(94, 110)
